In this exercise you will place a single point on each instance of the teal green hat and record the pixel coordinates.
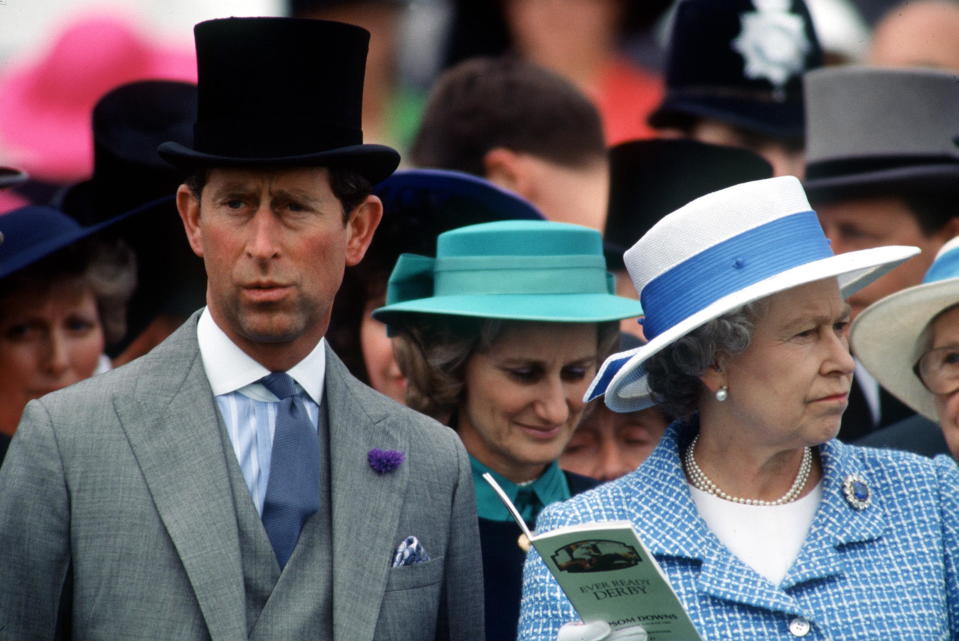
(516, 269)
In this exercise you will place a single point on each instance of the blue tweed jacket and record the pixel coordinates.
(889, 571)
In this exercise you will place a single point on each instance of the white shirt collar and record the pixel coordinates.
(230, 369)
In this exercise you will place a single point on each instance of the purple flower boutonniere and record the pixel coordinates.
(383, 461)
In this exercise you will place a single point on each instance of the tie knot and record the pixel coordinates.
(280, 383)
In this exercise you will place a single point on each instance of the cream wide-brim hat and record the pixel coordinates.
(889, 336)
(718, 253)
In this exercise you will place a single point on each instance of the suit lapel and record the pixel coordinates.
(172, 427)
(366, 505)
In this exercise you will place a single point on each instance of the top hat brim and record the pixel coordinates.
(885, 338)
(374, 162)
(781, 120)
(942, 178)
(622, 378)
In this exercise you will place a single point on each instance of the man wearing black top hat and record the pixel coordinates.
(237, 482)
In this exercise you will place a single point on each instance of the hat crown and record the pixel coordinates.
(515, 238)
(710, 220)
(651, 178)
(740, 62)
(289, 85)
(899, 113)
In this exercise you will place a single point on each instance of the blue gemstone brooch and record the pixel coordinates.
(857, 492)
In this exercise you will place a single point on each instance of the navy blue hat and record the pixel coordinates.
(740, 62)
(10, 176)
(33, 232)
(651, 178)
(420, 204)
(281, 92)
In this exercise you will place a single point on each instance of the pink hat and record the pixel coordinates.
(46, 104)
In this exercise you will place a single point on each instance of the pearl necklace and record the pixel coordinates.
(702, 482)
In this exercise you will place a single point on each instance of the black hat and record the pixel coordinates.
(740, 62)
(10, 176)
(128, 124)
(281, 92)
(651, 178)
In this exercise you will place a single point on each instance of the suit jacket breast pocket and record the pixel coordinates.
(411, 603)
(418, 575)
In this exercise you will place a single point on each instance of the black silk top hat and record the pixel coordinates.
(881, 131)
(281, 92)
(739, 62)
(651, 178)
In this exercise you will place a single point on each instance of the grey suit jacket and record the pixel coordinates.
(122, 480)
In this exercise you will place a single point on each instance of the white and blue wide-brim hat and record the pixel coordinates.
(890, 335)
(717, 253)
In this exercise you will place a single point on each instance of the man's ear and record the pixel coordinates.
(507, 169)
(189, 207)
(363, 221)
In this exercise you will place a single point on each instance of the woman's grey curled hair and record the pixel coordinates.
(673, 374)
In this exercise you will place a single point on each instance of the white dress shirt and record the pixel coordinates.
(249, 409)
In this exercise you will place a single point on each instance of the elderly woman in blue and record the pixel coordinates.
(765, 525)
(499, 337)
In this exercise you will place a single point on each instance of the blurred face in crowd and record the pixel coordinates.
(607, 444)
(863, 223)
(48, 339)
(275, 245)
(945, 360)
(523, 396)
(384, 374)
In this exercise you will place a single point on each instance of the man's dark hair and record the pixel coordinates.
(349, 187)
(485, 103)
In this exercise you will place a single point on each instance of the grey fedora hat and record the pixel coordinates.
(872, 130)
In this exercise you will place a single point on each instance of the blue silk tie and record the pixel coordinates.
(293, 491)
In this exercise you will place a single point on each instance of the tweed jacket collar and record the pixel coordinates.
(668, 521)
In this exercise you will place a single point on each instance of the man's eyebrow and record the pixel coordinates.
(298, 195)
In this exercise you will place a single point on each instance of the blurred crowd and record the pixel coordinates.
(499, 295)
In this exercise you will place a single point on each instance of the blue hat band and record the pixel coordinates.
(490, 275)
(730, 266)
(945, 266)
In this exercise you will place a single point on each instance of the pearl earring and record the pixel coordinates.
(722, 393)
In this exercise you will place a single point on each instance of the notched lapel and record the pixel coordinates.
(366, 505)
(172, 428)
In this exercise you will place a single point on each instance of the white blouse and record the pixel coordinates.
(766, 538)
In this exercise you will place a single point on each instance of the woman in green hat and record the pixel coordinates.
(499, 336)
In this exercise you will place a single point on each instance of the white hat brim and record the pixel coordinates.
(885, 338)
(627, 390)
